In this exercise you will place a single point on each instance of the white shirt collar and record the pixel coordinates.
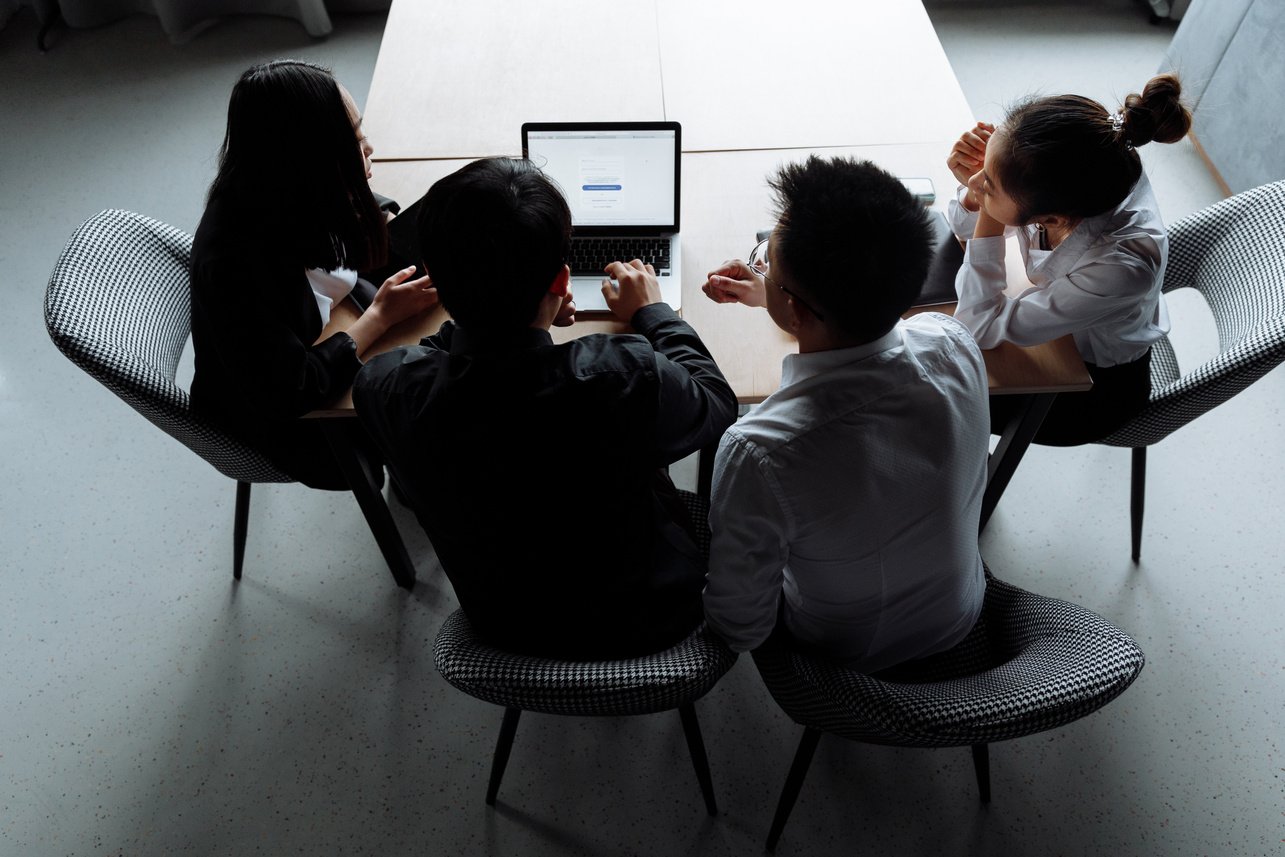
(800, 367)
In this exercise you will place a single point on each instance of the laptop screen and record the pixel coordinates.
(618, 175)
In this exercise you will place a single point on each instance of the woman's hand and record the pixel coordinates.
(401, 297)
(398, 299)
(735, 282)
(968, 156)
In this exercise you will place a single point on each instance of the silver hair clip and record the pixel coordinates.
(1117, 121)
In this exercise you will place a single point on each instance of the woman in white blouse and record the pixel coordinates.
(1062, 172)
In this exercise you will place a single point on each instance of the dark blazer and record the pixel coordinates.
(254, 322)
(537, 471)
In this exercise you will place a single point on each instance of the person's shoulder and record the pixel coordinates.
(230, 230)
(771, 425)
(943, 342)
(937, 327)
(223, 215)
(399, 368)
(608, 353)
(1135, 228)
(743, 440)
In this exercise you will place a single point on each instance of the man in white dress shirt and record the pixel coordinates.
(847, 503)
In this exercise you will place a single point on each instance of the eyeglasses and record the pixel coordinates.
(757, 260)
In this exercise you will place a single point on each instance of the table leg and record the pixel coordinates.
(361, 477)
(1012, 446)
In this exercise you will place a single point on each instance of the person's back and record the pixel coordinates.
(877, 466)
(847, 503)
(535, 468)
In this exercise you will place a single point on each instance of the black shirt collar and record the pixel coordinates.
(479, 340)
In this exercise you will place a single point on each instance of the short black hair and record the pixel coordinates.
(290, 159)
(494, 235)
(854, 240)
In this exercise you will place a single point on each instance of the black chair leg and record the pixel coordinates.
(696, 746)
(793, 782)
(54, 17)
(363, 476)
(982, 767)
(239, 525)
(508, 729)
(1137, 494)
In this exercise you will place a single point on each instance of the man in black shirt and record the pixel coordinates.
(536, 469)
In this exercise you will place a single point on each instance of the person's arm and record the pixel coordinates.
(966, 158)
(749, 547)
(399, 298)
(1103, 289)
(249, 304)
(696, 404)
(247, 312)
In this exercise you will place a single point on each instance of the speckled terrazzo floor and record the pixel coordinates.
(150, 707)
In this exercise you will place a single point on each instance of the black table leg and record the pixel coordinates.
(1012, 445)
(360, 475)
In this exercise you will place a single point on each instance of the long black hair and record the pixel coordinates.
(290, 158)
(1068, 155)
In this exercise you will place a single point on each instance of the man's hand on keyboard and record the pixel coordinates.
(634, 287)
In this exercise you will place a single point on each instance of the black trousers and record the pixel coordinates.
(1118, 393)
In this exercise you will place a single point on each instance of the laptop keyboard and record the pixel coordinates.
(591, 255)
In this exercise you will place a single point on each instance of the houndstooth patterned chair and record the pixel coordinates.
(1030, 664)
(118, 305)
(1233, 254)
(674, 678)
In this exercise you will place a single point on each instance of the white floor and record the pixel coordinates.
(150, 707)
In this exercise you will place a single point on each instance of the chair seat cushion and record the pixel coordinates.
(1031, 664)
(642, 685)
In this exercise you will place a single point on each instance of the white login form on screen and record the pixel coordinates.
(610, 178)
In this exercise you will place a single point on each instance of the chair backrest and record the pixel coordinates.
(1233, 253)
(118, 305)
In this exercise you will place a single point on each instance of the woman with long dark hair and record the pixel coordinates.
(289, 221)
(1064, 174)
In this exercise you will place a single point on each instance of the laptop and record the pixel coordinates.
(621, 181)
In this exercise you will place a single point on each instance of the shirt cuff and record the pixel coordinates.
(962, 221)
(986, 250)
(652, 316)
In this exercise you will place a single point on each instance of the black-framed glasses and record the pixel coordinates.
(757, 260)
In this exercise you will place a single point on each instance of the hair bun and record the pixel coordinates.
(1157, 114)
